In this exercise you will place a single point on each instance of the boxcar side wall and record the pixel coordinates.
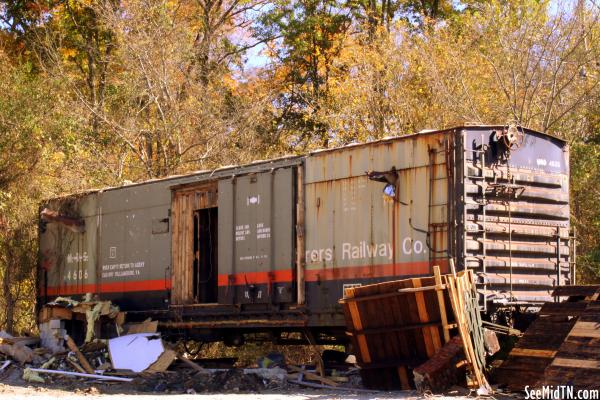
(124, 252)
(356, 235)
(256, 238)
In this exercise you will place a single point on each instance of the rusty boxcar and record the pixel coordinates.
(270, 246)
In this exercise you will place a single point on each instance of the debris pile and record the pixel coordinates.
(88, 315)
(138, 355)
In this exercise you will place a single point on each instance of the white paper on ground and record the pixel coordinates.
(135, 352)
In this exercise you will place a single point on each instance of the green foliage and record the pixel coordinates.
(585, 206)
(311, 35)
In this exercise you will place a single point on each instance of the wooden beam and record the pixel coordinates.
(82, 360)
(441, 303)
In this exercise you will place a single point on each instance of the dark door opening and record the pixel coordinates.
(205, 255)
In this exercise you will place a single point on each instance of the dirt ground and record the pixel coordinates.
(292, 393)
(231, 385)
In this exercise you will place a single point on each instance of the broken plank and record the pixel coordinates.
(190, 363)
(570, 308)
(579, 290)
(312, 376)
(84, 362)
(533, 353)
(441, 303)
(576, 363)
(586, 329)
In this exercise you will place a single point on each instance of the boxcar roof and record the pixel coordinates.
(222, 171)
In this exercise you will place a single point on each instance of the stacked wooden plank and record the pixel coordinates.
(396, 326)
(464, 299)
(577, 361)
(562, 346)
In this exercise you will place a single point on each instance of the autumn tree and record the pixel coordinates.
(310, 35)
(29, 144)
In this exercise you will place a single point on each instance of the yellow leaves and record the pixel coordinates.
(230, 82)
(68, 53)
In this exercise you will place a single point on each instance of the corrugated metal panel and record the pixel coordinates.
(516, 241)
(256, 235)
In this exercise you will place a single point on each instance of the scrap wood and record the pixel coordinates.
(54, 312)
(312, 376)
(502, 329)
(459, 288)
(26, 341)
(312, 343)
(441, 302)
(443, 369)
(148, 326)
(321, 386)
(338, 379)
(75, 365)
(19, 352)
(84, 362)
(163, 362)
(79, 374)
(190, 363)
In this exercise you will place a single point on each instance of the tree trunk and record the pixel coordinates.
(8, 298)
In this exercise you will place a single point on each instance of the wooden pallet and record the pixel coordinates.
(396, 326)
(577, 361)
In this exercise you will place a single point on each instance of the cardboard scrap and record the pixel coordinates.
(138, 352)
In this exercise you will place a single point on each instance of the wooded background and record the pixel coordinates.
(96, 93)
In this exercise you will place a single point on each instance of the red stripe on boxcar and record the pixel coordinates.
(247, 278)
(112, 287)
(373, 271)
(263, 277)
(327, 274)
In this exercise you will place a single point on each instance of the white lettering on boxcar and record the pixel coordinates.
(122, 269)
(410, 246)
(365, 250)
(77, 257)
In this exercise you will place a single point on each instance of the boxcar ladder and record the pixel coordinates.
(478, 156)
